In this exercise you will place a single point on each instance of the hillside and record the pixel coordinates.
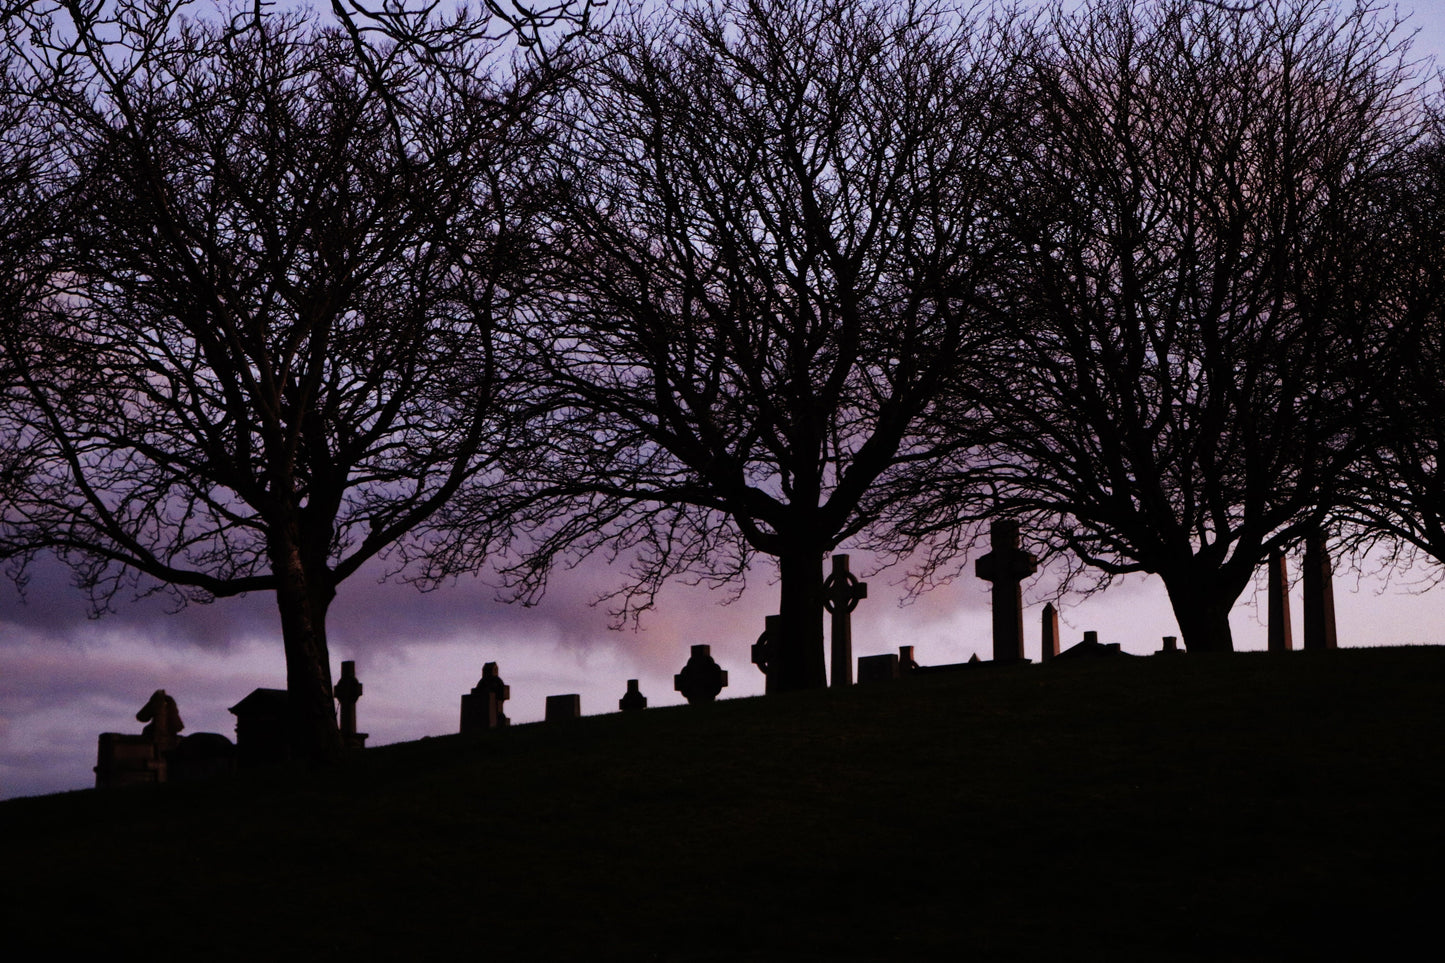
(1188, 808)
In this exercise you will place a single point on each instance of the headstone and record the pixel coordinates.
(1281, 638)
(1049, 648)
(482, 707)
(1091, 647)
(1006, 566)
(1319, 593)
(633, 700)
(907, 665)
(877, 668)
(762, 651)
(162, 718)
(701, 679)
(561, 708)
(126, 760)
(348, 691)
(841, 593)
(1171, 645)
(264, 726)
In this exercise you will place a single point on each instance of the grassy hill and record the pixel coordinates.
(1252, 807)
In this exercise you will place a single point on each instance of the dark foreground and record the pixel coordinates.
(1252, 807)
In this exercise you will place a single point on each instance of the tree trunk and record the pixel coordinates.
(797, 659)
(1201, 607)
(303, 598)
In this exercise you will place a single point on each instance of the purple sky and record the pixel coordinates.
(65, 678)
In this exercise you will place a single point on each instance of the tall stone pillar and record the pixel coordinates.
(1049, 647)
(1319, 593)
(1281, 637)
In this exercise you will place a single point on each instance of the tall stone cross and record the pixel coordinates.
(841, 594)
(1006, 566)
(348, 691)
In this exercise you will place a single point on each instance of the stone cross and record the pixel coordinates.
(1006, 566)
(762, 650)
(841, 594)
(1281, 637)
(701, 679)
(633, 699)
(348, 691)
(1050, 647)
(1319, 595)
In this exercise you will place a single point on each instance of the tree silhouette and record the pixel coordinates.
(272, 348)
(1194, 198)
(773, 247)
(1394, 495)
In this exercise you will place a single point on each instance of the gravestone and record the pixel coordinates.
(348, 691)
(1171, 645)
(633, 700)
(482, 707)
(1319, 593)
(762, 650)
(841, 593)
(877, 668)
(1281, 638)
(264, 726)
(907, 665)
(1091, 647)
(701, 679)
(1049, 647)
(1006, 566)
(126, 760)
(201, 755)
(562, 708)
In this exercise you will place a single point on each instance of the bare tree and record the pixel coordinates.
(1393, 497)
(273, 344)
(774, 247)
(1193, 208)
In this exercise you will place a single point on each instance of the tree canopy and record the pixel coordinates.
(272, 344)
(773, 245)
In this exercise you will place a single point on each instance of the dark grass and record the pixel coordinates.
(1252, 807)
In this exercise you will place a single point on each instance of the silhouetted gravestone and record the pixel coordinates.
(841, 594)
(907, 665)
(201, 755)
(482, 707)
(1049, 644)
(1319, 593)
(633, 700)
(1171, 645)
(877, 668)
(1281, 637)
(264, 725)
(1091, 647)
(701, 679)
(763, 648)
(162, 718)
(348, 691)
(1006, 566)
(128, 760)
(561, 708)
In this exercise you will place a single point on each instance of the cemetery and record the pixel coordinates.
(1270, 805)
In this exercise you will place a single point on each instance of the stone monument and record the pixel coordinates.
(1006, 566)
